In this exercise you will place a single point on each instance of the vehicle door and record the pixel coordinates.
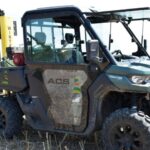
(58, 69)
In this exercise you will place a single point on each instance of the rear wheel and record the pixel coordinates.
(10, 117)
(126, 129)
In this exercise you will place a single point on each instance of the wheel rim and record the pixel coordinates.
(125, 137)
(2, 121)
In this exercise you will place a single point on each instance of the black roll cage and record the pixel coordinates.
(115, 16)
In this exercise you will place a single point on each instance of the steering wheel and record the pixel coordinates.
(117, 52)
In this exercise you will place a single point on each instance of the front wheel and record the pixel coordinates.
(126, 129)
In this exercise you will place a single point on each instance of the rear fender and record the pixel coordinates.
(12, 79)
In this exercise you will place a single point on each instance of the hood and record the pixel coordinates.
(137, 67)
(120, 76)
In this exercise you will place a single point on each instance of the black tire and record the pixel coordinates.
(126, 129)
(10, 117)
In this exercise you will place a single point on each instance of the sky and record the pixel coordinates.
(16, 8)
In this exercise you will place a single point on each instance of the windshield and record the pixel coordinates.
(120, 40)
(121, 33)
(115, 37)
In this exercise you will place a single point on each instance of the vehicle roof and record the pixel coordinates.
(52, 9)
(46, 10)
(132, 14)
(95, 16)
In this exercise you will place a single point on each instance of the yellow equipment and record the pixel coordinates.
(6, 34)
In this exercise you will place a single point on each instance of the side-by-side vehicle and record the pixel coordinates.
(75, 81)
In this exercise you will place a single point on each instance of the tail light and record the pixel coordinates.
(18, 59)
(18, 56)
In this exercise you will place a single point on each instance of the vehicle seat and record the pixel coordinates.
(80, 58)
(70, 56)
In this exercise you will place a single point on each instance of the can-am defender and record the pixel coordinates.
(71, 82)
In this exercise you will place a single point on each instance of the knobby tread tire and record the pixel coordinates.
(138, 121)
(13, 116)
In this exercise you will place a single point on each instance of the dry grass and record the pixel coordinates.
(30, 139)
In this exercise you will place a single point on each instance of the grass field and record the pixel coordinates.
(30, 139)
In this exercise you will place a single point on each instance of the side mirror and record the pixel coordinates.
(92, 47)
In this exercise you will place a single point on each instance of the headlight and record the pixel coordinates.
(140, 79)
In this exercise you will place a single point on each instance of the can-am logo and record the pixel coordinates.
(58, 81)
